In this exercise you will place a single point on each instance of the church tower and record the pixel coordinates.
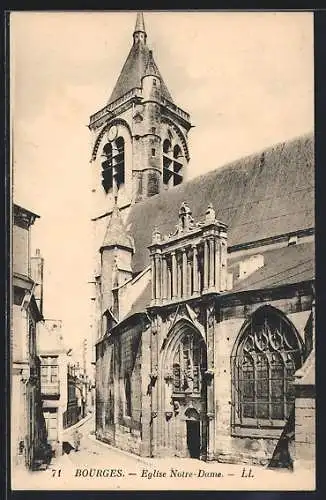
(139, 148)
(139, 138)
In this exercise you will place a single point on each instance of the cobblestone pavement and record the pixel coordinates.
(98, 466)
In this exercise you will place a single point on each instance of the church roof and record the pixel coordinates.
(138, 60)
(116, 233)
(282, 266)
(260, 196)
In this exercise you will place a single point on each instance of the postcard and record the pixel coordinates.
(163, 302)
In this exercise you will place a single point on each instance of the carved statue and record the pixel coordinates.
(210, 213)
(185, 216)
(156, 235)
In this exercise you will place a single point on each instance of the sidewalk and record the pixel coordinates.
(66, 431)
(137, 458)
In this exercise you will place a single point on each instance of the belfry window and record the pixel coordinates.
(172, 164)
(268, 354)
(189, 362)
(113, 166)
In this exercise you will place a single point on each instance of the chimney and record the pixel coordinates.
(37, 267)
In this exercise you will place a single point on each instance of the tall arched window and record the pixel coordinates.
(172, 164)
(269, 351)
(189, 363)
(113, 166)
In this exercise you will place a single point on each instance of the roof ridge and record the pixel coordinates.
(231, 164)
(254, 155)
(258, 200)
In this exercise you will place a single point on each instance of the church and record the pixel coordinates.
(204, 289)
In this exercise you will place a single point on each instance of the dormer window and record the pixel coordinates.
(293, 240)
(113, 166)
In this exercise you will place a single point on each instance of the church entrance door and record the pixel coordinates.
(193, 438)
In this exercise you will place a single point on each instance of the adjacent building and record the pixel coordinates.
(55, 358)
(204, 291)
(28, 431)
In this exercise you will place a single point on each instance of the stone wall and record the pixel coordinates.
(118, 357)
(305, 432)
(128, 439)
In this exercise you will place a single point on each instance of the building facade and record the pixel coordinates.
(54, 357)
(78, 388)
(28, 432)
(72, 413)
(204, 290)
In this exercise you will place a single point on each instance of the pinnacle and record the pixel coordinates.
(116, 233)
(140, 24)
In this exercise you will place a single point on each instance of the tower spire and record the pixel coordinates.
(140, 31)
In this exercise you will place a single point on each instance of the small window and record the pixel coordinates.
(153, 152)
(153, 130)
(293, 240)
(127, 396)
(154, 82)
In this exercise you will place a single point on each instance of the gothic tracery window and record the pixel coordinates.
(266, 359)
(189, 362)
(113, 166)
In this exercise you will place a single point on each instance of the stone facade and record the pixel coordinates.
(181, 356)
(118, 392)
(202, 318)
(28, 432)
(305, 414)
(54, 390)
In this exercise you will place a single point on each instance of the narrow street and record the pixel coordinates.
(93, 453)
(98, 466)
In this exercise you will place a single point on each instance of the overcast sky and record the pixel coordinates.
(245, 78)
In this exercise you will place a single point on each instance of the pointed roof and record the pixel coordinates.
(151, 68)
(140, 24)
(139, 59)
(116, 233)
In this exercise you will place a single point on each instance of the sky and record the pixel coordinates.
(246, 78)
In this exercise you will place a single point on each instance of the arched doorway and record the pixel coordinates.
(193, 432)
(184, 391)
